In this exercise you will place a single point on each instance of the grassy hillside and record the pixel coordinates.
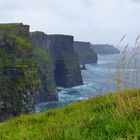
(111, 117)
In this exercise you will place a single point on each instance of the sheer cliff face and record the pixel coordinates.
(47, 89)
(85, 52)
(18, 71)
(67, 67)
(31, 66)
(64, 61)
(104, 49)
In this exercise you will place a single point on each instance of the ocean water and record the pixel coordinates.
(99, 79)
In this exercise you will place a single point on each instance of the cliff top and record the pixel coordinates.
(83, 47)
(15, 47)
(81, 42)
(4, 26)
(37, 32)
(61, 35)
(104, 49)
(16, 28)
(51, 35)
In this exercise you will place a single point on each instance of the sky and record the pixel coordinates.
(95, 21)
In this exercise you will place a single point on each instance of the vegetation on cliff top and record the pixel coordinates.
(7, 26)
(114, 116)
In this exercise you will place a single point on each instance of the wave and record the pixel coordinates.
(69, 95)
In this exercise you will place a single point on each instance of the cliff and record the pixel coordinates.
(65, 65)
(47, 90)
(85, 52)
(31, 66)
(18, 71)
(104, 49)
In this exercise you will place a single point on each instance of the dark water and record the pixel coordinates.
(99, 79)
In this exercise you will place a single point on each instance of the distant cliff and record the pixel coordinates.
(85, 52)
(104, 49)
(65, 65)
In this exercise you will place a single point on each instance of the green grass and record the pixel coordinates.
(10, 26)
(111, 117)
(19, 54)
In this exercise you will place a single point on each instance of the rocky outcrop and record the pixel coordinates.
(67, 66)
(47, 90)
(104, 49)
(85, 52)
(18, 71)
(64, 65)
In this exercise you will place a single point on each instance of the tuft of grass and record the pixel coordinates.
(127, 73)
(101, 118)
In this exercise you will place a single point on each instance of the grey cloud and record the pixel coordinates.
(88, 3)
(138, 1)
(99, 21)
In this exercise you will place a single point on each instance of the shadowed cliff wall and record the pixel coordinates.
(64, 64)
(47, 90)
(67, 66)
(85, 52)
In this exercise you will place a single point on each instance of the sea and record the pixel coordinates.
(99, 79)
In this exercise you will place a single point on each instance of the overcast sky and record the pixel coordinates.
(97, 21)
